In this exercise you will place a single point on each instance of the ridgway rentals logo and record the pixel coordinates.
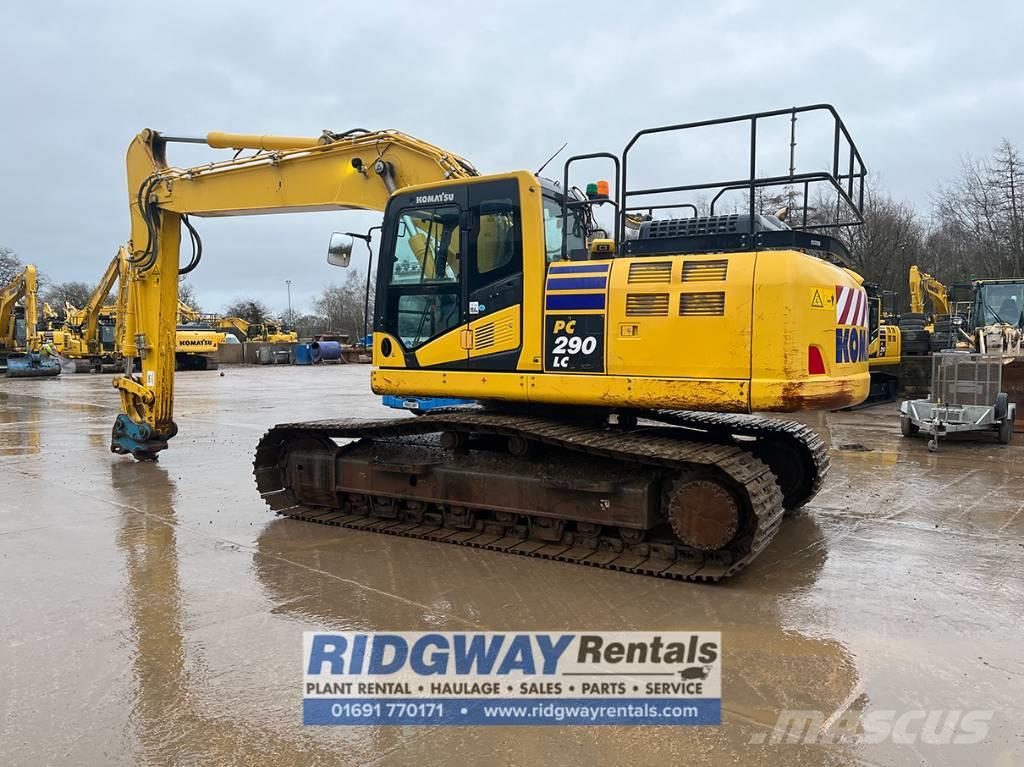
(531, 678)
(929, 726)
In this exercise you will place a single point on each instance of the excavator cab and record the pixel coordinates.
(450, 275)
(19, 332)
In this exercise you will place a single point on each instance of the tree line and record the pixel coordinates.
(975, 228)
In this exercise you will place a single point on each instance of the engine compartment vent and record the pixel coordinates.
(702, 304)
(647, 304)
(732, 223)
(483, 336)
(705, 271)
(657, 272)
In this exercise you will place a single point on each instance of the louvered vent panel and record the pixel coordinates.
(705, 271)
(701, 304)
(483, 336)
(647, 305)
(650, 272)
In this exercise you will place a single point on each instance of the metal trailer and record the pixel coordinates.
(966, 395)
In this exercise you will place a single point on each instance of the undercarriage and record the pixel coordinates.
(674, 494)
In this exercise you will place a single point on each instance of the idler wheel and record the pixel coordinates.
(703, 513)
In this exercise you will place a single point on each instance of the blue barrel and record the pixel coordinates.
(325, 350)
(303, 355)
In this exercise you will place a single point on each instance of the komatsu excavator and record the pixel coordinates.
(923, 332)
(196, 341)
(21, 353)
(617, 373)
(88, 336)
(269, 331)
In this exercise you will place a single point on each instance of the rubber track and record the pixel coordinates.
(722, 425)
(658, 446)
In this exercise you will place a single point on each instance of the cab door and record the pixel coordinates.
(494, 275)
(423, 301)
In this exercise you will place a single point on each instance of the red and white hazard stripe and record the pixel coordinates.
(851, 306)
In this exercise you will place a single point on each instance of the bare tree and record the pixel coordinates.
(979, 218)
(890, 240)
(342, 306)
(1006, 174)
(252, 310)
(187, 295)
(75, 293)
(10, 265)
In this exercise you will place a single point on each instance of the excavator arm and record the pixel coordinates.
(186, 313)
(923, 284)
(353, 170)
(89, 316)
(22, 287)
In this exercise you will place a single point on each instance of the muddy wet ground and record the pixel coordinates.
(153, 613)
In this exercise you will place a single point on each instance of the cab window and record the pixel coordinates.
(553, 226)
(496, 232)
(427, 246)
(423, 316)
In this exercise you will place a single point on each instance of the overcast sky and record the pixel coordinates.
(503, 84)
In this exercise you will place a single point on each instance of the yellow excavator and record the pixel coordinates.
(884, 346)
(87, 337)
(924, 332)
(21, 349)
(196, 341)
(617, 371)
(269, 331)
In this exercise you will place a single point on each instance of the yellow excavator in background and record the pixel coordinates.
(884, 346)
(21, 350)
(923, 284)
(196, 341)
(50, 318)
(617, 374)
(87, 337)
(270, 331)
(924, 332)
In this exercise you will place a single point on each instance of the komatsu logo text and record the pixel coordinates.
(422, 199)
(851, 345)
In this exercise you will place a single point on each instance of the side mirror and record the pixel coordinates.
(339, 252)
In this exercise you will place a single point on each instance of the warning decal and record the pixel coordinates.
(822, 298)
(851, 306)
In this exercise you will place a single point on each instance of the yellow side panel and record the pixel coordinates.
(574, 389)
(392, 360)
(885, 350)
(197, 342)
(450, 347)
(497, 332)
(664, 322)
(795, 307)
(534, 267)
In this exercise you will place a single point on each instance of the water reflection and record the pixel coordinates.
(339, 579)
(177, 715)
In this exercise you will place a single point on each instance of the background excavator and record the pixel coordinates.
(924, 332)
(196, 341)
(21, 352)
(617, 372)
(87, 337)
(269, 331)
(885, 345)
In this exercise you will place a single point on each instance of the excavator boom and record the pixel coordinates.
(356, 169)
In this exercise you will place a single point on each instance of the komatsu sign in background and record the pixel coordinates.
(586, 677)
